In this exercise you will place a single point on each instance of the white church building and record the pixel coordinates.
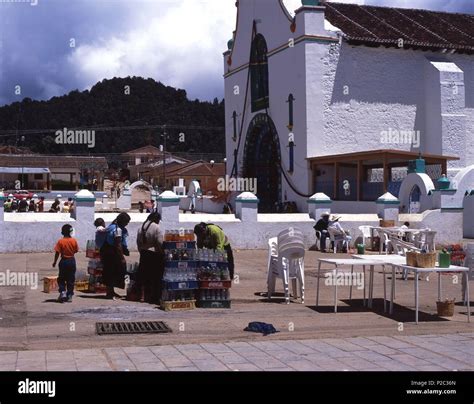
(340, 98)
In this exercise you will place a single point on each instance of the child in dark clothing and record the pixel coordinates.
(66, 247)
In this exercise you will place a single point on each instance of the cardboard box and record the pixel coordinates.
(81, 286)
(50, 284)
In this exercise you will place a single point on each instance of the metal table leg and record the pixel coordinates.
(416, 296)
(392, 292)
(352, 280)
(468, 302)
(364, 301)
(439, 286)
(384, 290)
(371, 285)
(317, 290)
(335, 290)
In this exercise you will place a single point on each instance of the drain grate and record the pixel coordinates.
(132, 327)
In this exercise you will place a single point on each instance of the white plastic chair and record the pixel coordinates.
(286, 261)
(365, 230)
(384, 241)
(318, 240)
(428, 240)
(337, 240)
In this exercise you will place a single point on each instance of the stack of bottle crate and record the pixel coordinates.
(214, 279)
(94, 269)
(180, 281)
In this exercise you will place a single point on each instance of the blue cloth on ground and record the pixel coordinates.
(264, 328)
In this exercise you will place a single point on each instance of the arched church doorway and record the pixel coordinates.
(262, 161)
(415, 196)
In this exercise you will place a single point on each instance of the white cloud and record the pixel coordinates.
(179, 43)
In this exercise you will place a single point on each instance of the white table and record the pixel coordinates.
(352, 263)
(417, 271)
(384, 260)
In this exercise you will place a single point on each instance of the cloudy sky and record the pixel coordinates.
(177, 42)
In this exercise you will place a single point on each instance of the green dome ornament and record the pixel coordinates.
(230, 44)
(443, 182)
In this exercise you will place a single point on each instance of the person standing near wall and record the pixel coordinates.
(112, 255)
(8, 205)
(56, 206)
(32, 206)
(23, 205)
(40, 204)
(194, 192)
(152, 259)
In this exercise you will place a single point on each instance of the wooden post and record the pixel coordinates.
(444, 167)
(336, 181)
(360, 179)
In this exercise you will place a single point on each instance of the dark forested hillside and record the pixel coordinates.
(107, 104)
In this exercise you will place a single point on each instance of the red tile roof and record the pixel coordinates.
(419, 29)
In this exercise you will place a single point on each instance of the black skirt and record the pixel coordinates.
(114, 270)
(150, 275)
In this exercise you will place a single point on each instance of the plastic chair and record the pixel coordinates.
(428, 241)
(384, 241)
(338, 240)
(318, 240)
(365, 230)
(286, 261)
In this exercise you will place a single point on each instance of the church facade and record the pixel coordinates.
(341, 98)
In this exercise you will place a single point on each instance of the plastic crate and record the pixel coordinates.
(178, 305)
(81, 286)
(214, 304)
(94, 271)
(179, 245)
(181, 264)
(215, 284)
(214, 264)
(187, 285)
(97, 289)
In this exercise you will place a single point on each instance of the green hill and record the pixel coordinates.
(107, 104)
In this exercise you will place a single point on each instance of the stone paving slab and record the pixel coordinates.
(32, 321)
(401, 353)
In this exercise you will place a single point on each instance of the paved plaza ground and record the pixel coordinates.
(38, 334)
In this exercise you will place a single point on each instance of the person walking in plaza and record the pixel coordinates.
(212, 237)
(152, 259)
(66, 248)
(112, 255)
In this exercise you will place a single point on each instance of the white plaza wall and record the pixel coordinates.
(38, 232)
